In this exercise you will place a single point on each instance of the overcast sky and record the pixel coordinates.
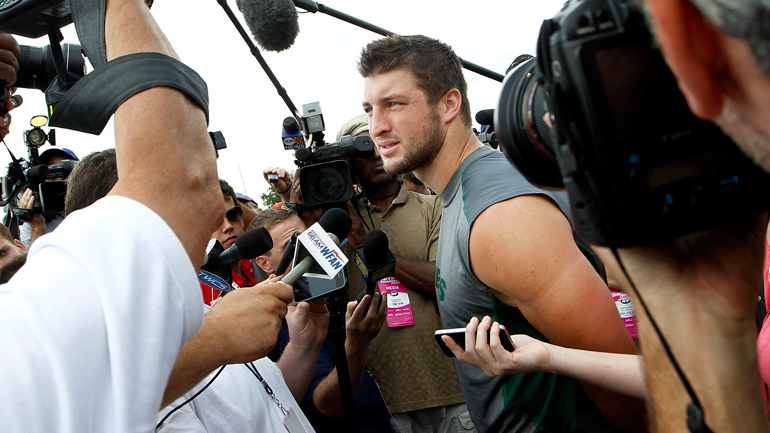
(320, 66)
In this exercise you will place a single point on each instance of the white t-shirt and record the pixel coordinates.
(91, 325)
(235, 402)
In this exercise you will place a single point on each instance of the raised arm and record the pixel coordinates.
(175, 144)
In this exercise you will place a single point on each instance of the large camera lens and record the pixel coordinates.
(326, 182)
(522, 132)
(37, 68)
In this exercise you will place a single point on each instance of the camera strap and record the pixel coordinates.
(86, 104)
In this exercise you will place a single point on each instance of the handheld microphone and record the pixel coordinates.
(249, 245)
(288, 255)
(373, 257)
(337, 224)
(292, 135)
(273, 23)
(374, 261)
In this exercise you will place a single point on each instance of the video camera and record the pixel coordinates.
(325, 176)
(638, 165)
(46, 182)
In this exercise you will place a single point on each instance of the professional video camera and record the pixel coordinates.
(46, 182)
(637, 164)
(325, 176)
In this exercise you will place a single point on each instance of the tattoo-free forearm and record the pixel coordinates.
(298, 365)
(417, 275)
(326, 397)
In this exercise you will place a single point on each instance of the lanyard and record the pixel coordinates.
(269, 390)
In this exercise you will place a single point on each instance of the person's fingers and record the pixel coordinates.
(359, 311)
(453, 346)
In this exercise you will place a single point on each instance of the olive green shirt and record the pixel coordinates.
(407, 363)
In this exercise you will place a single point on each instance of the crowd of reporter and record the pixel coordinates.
(476, 246)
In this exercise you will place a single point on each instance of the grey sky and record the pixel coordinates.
(320, 66)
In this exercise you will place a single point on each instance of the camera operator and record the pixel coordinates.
(430, 390)
(80, 339)
(702, 288)
(507, 247)
(37, 225)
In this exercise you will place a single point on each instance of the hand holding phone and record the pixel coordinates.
(458, 335)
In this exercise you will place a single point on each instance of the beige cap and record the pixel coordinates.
(354, 126)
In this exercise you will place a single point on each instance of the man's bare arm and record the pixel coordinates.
(170, 153)
(540, 269)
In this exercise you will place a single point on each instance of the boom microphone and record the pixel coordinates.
(273, 23)
(249, 245)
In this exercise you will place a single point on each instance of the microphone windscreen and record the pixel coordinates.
(254, 243)
(290, 125)
(38, 172)
(486, 117)
(303, 154)
(336, 221)
(376, 247)
(273, 23)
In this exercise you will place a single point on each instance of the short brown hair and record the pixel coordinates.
(228, 192)
(436, 66)
(270, 217)
(91, 179)
(5, 233)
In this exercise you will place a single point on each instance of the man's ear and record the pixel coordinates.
(264, 264)
(20, 245)
(691, 45)
(451, 103)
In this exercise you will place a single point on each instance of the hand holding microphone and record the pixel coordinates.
(374, 261)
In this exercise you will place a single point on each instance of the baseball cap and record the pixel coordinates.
(244, 197)
(57, 151)
(354, 126)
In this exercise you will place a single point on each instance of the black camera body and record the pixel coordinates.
(638, 166)
(325, 176)
(34, 18)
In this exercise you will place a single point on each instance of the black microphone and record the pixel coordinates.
(37, 173)
(288, 255)
(273, 23)
(374, 261)
(249, 245)
(337, 224)
(486, 117)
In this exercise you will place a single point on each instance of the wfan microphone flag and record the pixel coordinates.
(373, 257)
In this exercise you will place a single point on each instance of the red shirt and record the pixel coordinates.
(210, 293)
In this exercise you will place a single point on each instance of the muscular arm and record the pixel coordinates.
(145, 142)
(542, 272)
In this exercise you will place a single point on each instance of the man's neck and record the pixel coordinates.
(459, 142)
(382, 195)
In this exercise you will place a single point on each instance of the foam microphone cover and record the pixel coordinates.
(336, 221)
(376, 248)
(254, 243)
(273, 23)
(38, 172)
(486, 117)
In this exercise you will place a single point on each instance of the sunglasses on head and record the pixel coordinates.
(234, 214)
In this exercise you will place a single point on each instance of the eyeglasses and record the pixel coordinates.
(234, 214)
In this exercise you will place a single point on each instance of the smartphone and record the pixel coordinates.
(458, 335)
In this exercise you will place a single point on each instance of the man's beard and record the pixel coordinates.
(753, 142)
(424, 148)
